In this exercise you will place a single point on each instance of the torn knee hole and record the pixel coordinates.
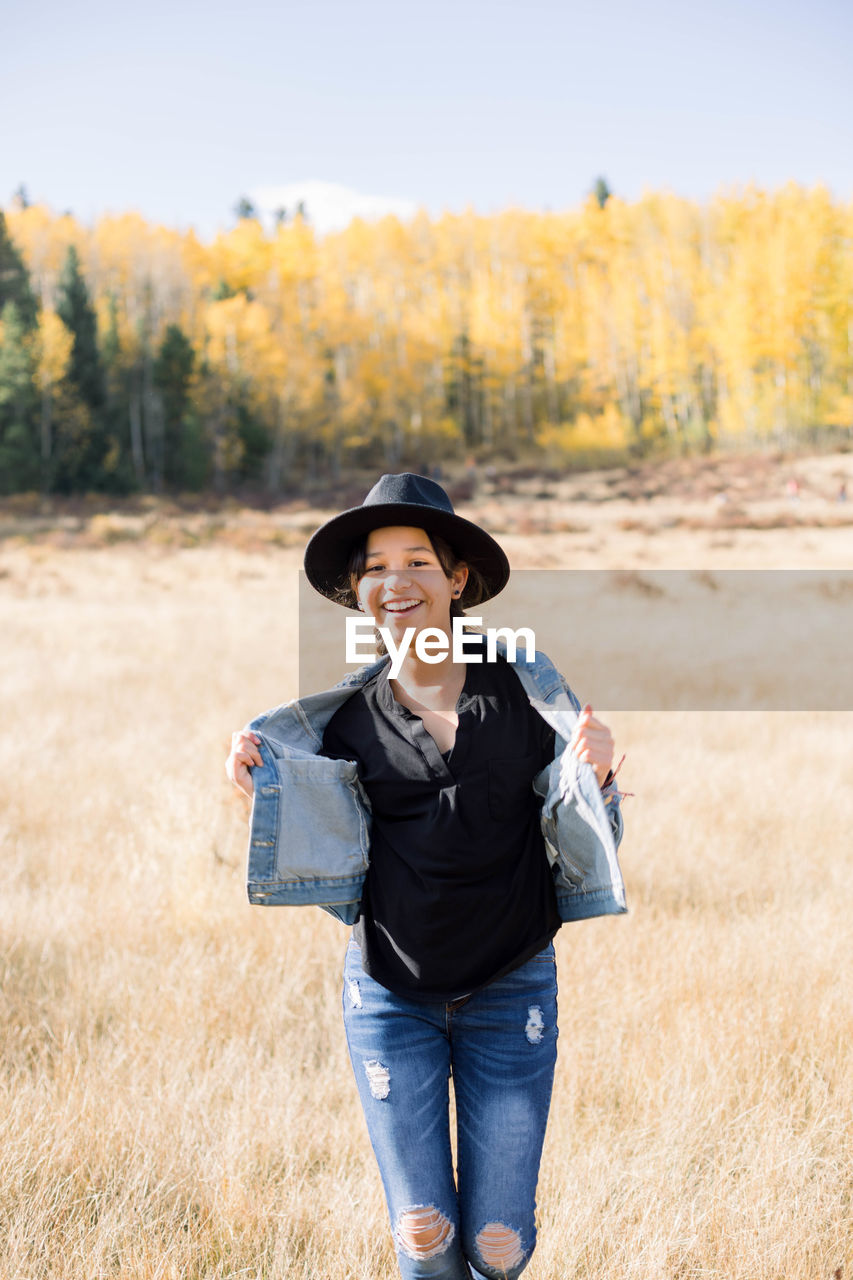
(535, 1028)
(500, 1246)
(424, 1232)
(378, 1079)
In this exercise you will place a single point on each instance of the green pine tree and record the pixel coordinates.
(601, 191)
(245, 209)
(128, 474)
(15, 281)
(19, 405)
(90, 454)
(78, 315)
(255, 442)
(185, 463)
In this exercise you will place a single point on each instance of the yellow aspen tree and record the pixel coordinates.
(53, 357)
(244, 366)
(659, 320)
(295, 282)
(44, 239)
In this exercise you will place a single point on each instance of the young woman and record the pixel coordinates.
(456, 815)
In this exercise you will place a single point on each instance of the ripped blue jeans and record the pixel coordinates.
(500, 1046)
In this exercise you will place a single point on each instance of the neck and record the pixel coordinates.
(428, 683)
(411, 649)
(415, 674)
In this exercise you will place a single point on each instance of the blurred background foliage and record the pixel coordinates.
(137, 358)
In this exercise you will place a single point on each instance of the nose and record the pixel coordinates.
(395, 579)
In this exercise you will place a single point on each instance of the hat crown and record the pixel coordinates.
(411, 489)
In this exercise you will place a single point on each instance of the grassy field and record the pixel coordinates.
(176, 1098)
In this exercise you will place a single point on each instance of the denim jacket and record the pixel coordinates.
(309, 837)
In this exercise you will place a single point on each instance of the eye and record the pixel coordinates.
(375, 568)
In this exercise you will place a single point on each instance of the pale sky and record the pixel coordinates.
(176, 111)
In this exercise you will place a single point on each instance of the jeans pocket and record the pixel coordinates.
(546, 956)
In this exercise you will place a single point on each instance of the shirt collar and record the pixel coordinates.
(475, 684)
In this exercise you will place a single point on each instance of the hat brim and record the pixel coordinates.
(329, 549)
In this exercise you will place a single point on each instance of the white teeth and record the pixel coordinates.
(399, 605)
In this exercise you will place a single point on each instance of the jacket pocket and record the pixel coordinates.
(322, 821)
(511, 786)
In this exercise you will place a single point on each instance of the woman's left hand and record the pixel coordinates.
(592, 741)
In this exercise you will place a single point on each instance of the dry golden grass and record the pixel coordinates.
(176, 1098)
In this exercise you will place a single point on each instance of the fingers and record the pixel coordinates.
(592, 742)
(587, 731)
(244, 747)
(244, 755)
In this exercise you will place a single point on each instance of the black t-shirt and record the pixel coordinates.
(459, 890)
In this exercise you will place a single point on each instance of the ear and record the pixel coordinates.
(458, 579)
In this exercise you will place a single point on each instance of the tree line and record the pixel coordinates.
(134, 357)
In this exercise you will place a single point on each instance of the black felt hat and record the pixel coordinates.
(406, 499)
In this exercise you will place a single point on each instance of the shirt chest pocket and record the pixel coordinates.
(510, 787)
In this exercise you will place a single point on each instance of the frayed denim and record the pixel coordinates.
(499, 1046)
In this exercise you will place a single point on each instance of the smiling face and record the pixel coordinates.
(404, 583)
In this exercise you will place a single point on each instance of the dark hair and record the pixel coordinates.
(472, 593)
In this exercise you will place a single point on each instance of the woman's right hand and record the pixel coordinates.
(244, 753)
